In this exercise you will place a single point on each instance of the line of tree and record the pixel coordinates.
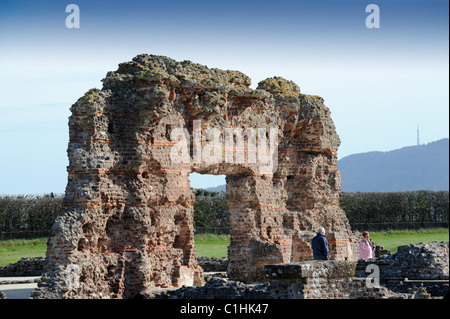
(396, 207)
(210, 209)
(30, 213)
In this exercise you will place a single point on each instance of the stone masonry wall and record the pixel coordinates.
(30, 266)
(128, 220)
(414, 261)
(303, 280)
(414, 265)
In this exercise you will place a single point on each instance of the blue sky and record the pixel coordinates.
(379, 83)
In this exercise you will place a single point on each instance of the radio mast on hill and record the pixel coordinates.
(418, 139)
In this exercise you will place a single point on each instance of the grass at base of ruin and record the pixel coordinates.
(211, 245)
(393, 238)
(13, 250)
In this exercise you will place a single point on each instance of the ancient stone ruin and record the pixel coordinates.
(128, 220)
(415, 265)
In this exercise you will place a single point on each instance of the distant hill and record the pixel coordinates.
(421, 167)
(217, 188)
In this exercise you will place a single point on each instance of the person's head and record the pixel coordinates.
(321, 231)
(366, 235)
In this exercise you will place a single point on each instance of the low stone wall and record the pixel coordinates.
(416, 261)
(415, 271)
(323, 280)
(417, 265)
(303, 280)
(213, 264)
(380, 251)
(32, 266)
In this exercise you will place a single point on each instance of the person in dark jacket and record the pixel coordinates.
(319, 245)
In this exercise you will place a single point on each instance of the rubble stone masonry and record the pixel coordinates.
(128, 225)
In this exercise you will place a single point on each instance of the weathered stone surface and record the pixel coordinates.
(380, 251)
(414, 266)
(213, 264)
(312, 269)
(128, 220)
(424, 260)
(414, 261)
(32, 266)
(326, 281)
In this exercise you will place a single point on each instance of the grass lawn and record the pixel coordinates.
(13, 250)
(210, 245)
(394, 238)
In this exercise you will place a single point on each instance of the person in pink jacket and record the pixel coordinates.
(366, 249)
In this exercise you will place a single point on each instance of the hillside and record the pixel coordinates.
(217, 188)
(421, 167)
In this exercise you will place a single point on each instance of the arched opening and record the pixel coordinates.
(210, 215)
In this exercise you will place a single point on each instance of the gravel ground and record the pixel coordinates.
(18, 287)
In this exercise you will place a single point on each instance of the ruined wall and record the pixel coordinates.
(413, 261)
(128, 220)
(414, 265)
(330, 279)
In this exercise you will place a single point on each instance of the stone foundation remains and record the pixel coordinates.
(31, 266)
(415, 271)
(128, 220)
(420, 265)
(304, 280)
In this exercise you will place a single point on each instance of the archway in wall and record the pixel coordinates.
(255, 219)
(210, 207)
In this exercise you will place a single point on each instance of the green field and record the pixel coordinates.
(13, 250)
(216, 245)
(212, 245)
(394, 238)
